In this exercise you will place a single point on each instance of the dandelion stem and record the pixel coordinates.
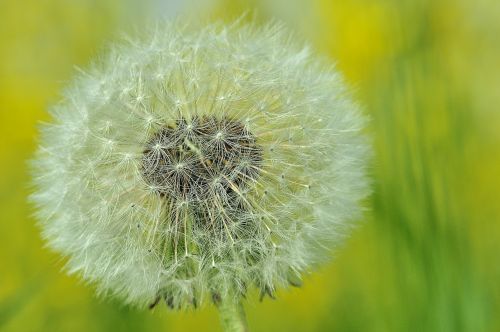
(232, 315)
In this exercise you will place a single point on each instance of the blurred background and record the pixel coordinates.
(427, 255)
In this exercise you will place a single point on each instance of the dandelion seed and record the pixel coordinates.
(205, 170)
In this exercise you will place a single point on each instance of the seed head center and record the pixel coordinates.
(183, 163)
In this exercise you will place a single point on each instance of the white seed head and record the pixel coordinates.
(193, 164)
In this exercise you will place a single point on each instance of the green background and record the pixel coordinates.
(425, 257)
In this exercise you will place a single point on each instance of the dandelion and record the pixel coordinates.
(193, 164)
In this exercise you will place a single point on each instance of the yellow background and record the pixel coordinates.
(425, 258)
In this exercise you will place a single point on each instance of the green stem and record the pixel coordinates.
(232, 316)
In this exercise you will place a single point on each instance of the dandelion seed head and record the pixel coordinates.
(192, 164)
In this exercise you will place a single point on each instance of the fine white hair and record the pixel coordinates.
(103, 201)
